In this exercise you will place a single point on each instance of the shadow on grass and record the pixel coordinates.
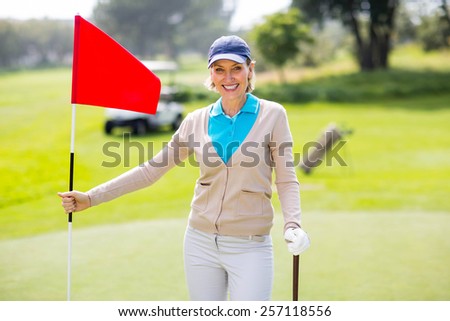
(364, 87)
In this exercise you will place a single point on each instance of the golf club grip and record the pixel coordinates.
(295, 271)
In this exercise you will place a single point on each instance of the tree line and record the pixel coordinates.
(154, 29)
(373, 24)
(148, 28)
(33, 43)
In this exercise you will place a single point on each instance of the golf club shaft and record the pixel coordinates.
(295, 269)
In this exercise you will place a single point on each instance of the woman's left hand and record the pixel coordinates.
(298, 240)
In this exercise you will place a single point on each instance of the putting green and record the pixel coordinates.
(354, 256)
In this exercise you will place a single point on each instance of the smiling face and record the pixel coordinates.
(231, 79)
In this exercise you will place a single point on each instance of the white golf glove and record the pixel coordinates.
(298, 240)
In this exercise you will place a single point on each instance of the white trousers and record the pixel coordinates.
(217, 266)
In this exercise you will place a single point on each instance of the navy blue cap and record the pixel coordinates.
(230, 48)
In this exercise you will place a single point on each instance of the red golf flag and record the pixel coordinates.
(106, 74)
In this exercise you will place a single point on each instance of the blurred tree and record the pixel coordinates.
(46, 42)
(152, 27)
(445, 23)
(371, 22)
(433, 32)
(445, 12)
(205, 21)
(406, 29)
(141, 25)
(31, 43)
(431, 21)
(434, 29)
(330, 40)
(9, 47)
(280, 37)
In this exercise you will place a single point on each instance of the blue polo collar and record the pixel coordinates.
(251, 106)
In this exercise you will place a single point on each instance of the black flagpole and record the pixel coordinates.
(69, 219)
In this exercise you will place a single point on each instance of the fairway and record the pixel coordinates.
(378, 224)
(354, 256)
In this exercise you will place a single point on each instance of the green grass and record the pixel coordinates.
(397, 161)
(396, 158)
(378, 226)
(354, 256)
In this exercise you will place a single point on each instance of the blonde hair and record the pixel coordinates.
(251, 81)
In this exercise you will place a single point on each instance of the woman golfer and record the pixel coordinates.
(238, 141)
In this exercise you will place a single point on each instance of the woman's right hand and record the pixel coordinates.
(74, 201)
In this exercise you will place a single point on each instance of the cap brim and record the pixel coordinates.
(233, 57)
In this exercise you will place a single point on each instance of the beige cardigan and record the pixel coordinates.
(229, 199)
